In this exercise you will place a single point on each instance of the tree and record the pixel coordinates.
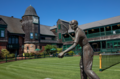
(47, 48)
(54, 49)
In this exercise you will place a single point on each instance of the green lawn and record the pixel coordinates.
(54, 68)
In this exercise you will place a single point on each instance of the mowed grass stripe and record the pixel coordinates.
(54, 68)
(41, 72)
(28, 71)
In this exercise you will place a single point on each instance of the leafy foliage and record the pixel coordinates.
(1, 56)
(44, 52)
(53, 51)
(59, 50)
(49, 47)
(41, 53)
(70, 53)
(27, 54)
(11, 55)
(5, 52)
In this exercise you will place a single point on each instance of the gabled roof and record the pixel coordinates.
(63, 20)
(53, 27)
(2, 22)
(45, 30)
(101, 23)
(13, 24)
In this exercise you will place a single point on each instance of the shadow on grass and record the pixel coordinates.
(110, 66)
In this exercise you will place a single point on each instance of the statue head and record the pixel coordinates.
(74, 24)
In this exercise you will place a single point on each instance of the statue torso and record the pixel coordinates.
(81, 37)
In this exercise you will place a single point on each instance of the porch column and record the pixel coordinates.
(105, 31)
(100, 44)
(87, 34)
(111, 27)
(100, 31)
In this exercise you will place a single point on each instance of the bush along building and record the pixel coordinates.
(27, 34)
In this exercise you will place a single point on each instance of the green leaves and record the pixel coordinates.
(59, 50)
(4, 52)
(49, 47)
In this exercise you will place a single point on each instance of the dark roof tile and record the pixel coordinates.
(30, 11)
(101, 23)
(13, 24)
(45, 30)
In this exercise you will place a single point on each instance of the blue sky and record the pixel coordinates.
(49, 11)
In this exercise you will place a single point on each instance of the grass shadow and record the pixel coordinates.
(110, 66)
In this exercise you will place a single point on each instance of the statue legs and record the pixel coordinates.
(87, 63)
(82, 73)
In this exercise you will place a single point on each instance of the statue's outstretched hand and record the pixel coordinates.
(60, 55)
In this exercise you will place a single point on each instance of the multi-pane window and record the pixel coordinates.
(2, 33)
(36, 35)
(16, 40)
(13, 40)
(9, 40)
(31, 35)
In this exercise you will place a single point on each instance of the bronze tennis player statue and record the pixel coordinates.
(87, 56)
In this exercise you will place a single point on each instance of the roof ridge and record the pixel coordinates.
(64, 20)
(45, 25)
(98, 21)
(10, 17)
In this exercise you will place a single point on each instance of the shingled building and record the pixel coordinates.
(27, 34)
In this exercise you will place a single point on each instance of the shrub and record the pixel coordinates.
(30, 54)
(44, 52)
(59, 50)
(70, 53)
(41, 53)
(33, 54)
(1, 56)
(4, 52)
(49, 47)
(23, 54)
(27, 54)
(37, 53)
(11, 55)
